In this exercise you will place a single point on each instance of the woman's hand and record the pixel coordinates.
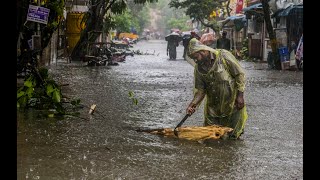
(191, 108)
(239, 101)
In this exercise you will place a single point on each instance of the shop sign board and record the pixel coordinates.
(38, 14)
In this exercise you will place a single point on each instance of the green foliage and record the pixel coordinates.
(40, 91)
(178, 23)
(138, 16)
(199, 10)
(170, 17)
(109, 23)
(131, 96)
(118, 7)
(56, 6)
(127, 15)
(56, 13)
(143, 18)
(144, 1)
(100, 17)
(125, 21)
(244, 52)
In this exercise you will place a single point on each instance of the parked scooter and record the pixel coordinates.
(99, 56)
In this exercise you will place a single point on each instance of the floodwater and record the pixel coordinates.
(106, 145)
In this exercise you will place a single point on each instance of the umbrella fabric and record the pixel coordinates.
(173, 37)
(186, 33)
(175, 30)
(208, 38)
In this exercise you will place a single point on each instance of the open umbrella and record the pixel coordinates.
(173, 37)
(208, 38)
(185, 35)
(175, 30)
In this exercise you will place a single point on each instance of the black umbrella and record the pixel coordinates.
(173, 37)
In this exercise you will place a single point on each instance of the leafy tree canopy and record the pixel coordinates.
(125, 21)
(178, 23)
(199, 10)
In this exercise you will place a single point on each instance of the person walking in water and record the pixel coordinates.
(172, 48)
(186, 41)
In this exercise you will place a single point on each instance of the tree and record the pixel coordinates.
(136, 15)
(124, 22)
(39, 89)
(179, 23)
(28, 28)
(200, 10)
(272, 36)
(170, 17)
(100, 12)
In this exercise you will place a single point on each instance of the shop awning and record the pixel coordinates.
(254, 7)
(236, 17)
(239, 21)
(294, 9)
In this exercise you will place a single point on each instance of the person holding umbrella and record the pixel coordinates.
(208, 39)
(186, 40)
(173, 41)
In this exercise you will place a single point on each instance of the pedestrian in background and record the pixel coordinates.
(186, 40)
(172, 48)
(223, 42)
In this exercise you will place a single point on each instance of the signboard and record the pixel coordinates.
(38, 14)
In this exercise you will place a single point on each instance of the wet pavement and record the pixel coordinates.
(106, 145)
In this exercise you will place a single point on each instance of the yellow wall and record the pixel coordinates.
(74, 28)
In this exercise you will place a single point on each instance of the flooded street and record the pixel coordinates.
(106, 145)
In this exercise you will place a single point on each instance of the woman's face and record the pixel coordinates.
(199, 57)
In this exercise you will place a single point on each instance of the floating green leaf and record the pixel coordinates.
(50, 89)
(21, 93)
(29, 92)
(131, 94)
(135, 101)
(56, 96)
(28, 83)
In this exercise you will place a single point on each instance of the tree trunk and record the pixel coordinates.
(272, 36)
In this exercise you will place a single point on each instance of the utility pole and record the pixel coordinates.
(39, 34)
(38, 28)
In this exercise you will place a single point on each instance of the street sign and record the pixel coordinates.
(38, 14)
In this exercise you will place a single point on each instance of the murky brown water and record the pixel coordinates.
(106, 145)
